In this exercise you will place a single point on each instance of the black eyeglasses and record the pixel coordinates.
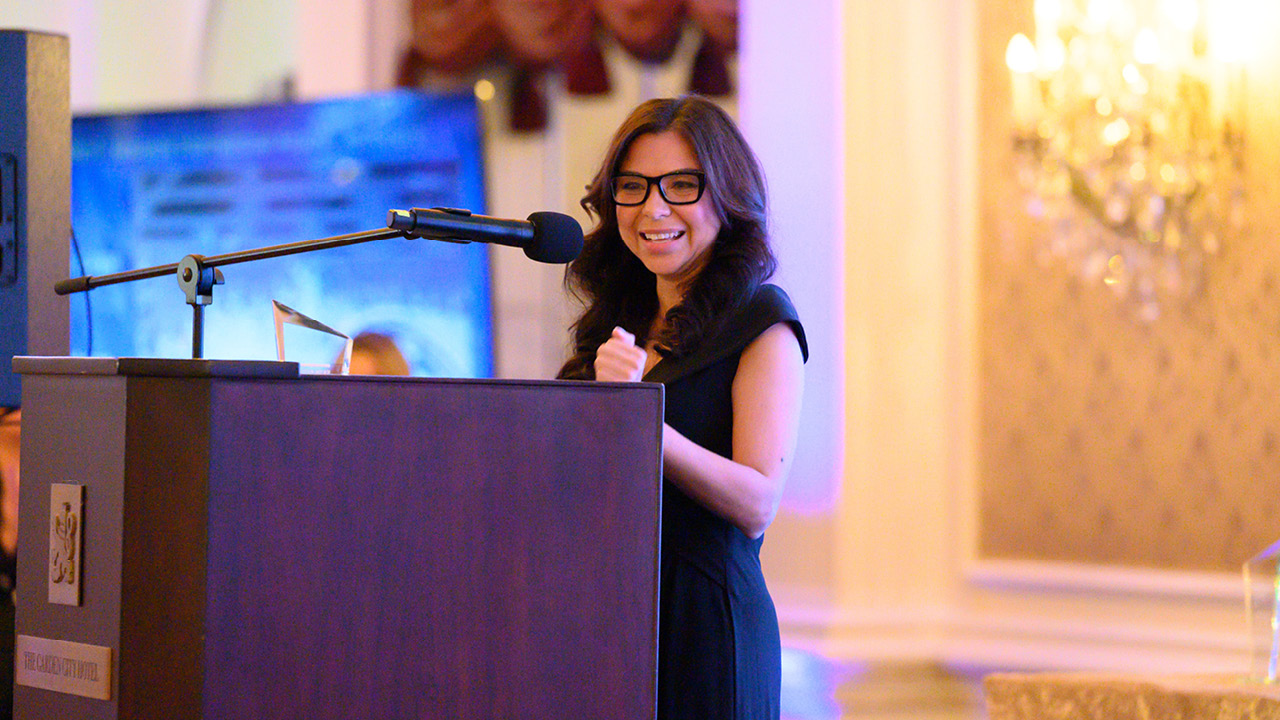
(682, 187)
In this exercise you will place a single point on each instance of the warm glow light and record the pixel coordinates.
(484, 90)
(1020, 56)
(1048, 14)
(1182, 14)
(1137, 82)
(1115, 270)
(1115, 132)
(1091, 85)
(1124, 19)
(1099, 13)
(1053, 55)
(1140, 126)
(1146, 47)
(1233, 32)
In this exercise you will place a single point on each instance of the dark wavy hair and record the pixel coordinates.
(618, 290)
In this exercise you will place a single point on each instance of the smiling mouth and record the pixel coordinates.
(662, 236)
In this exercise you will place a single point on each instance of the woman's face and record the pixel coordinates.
(671, 240)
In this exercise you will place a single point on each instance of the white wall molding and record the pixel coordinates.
(866, 634)
(1039, 576)
(1037, 643)
(1143, 641)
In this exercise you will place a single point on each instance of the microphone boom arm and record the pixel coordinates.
(198, 274)
(88, 282)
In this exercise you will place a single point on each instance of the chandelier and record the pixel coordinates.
(1128, 137)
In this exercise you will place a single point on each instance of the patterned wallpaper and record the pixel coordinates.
(1105, 438)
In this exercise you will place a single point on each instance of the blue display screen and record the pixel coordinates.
(148, 189)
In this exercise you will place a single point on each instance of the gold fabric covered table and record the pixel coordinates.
(1096, 696)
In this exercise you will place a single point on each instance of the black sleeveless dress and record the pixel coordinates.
(719, 654)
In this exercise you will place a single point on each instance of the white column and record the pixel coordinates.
(791, 106)
(858, 111)
(334, 48)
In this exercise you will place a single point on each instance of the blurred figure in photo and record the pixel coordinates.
(374, 353)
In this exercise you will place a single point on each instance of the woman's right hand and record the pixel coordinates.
(619, 360)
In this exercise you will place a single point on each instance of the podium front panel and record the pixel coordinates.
(335, 548)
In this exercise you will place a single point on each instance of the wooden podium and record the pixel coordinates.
(254, 544)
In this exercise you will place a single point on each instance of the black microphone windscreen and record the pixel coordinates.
(557, 238)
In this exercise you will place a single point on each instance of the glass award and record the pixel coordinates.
(316, 347)
(1261, 604)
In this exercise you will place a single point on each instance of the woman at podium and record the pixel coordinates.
(673, 279)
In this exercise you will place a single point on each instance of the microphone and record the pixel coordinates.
(547, 237)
